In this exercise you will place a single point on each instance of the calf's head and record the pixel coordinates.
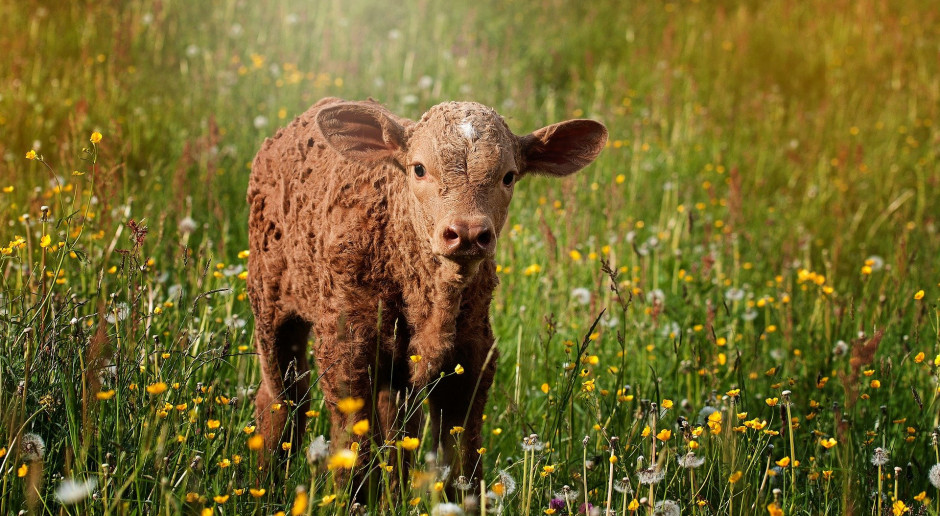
(462, 163)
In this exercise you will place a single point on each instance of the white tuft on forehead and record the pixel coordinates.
(467, 130)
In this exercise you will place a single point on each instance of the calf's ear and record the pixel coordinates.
(564, 148)
(361, 132)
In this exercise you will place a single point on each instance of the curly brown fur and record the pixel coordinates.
(348, 238)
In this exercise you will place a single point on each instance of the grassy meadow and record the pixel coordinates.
(750, 272)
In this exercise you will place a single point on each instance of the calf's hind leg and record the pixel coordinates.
(283, 397)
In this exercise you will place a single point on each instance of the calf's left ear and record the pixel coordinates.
(564, 148)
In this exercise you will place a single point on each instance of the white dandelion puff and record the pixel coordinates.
(73, 491)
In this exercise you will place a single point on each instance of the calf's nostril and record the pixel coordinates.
(451, 236)
(484, 238)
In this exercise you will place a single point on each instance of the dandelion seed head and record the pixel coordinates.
(690, 460)
(934, 475)
(72, 491)
(879, 457)
(651, 476)
(666, 508)
(32, 447)
(447, 509)
(318, 450)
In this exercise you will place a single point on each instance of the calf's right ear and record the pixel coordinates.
(361, 132)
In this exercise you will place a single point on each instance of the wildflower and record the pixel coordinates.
(880, 457)
(249, 429)
(734, 393)
(532, 443)
(919, 358)
(32, 447)
(361, 427)
(666, 508)
(774, 510)
(664, 435)
(567, 495)
(457, 430)
(156, 388)
(899, 508)
(458, 369)
(581, 295)
(105, 395)
(300, 502)
(317, 450)
(257, 493)
(286, 446)
(255, 442)
(828, 443)
(733, 479)
(772, 402)
(919, 295)
(220, 499)
(345, 459)
(71, 491)
(326, 500)
(416, 358)
(507, 482)
(45, 241)
(652, 475)
(462, 483)
(95, 137)
(409, 443)
(634, 505)
(350, 405)
(224, 463)
(690, 460)
(784, 462)
(213, 424)
(31, 154)
(666, 404)
(934, 475)
(22, 470)
(447, 509)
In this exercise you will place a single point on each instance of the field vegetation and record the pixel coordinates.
(733, 311)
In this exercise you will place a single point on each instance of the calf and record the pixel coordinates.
(378, 233)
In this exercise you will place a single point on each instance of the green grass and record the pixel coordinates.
(760, 153)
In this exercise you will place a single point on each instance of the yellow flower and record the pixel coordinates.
(249, 429)
(22, 470)
(459, 369)
(575, 255)
(285, 446)
(213, 424)
(772, 402)
(350, 405)
(327, 500)
(664, 435)
(3, 452)
(456, 430)
(919, 295)
(31, 154)
(545, 388)
(105, 395)
(919, 358)
(95, 137)
(875, 384)
(361, 427)
(735, 477)
(714, 417)
(774, 510)
(549, 511)
(416, 358)
(634, 505)
(156, 388)
(409, 443)
(667, 404)
(898, 508)
(255, 442)
(734, 393)
(224, 463)
(784, 462)
(345, 459)
(300, 503)
(828, 443)
(45, 241)
(257, 493)
(645, 432)
(414, 501)
(920, 496)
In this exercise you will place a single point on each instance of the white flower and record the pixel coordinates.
(186, 225)
(934, 475)
(192, 50)
(734, 294)
(260, 122)
(653, 475)
(581, 295)
(509, 483)
(32, 447)
(656, 296)
(447, 509)
(666, 508)
(72, 491)
(880, 457)
(318, 450)
(425, 82)
(690, 460)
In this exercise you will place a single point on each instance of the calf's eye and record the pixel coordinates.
(509, 178)
(419, 170)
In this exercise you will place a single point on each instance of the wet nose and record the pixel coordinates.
(470, 236)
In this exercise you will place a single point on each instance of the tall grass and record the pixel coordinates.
(748, 273)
